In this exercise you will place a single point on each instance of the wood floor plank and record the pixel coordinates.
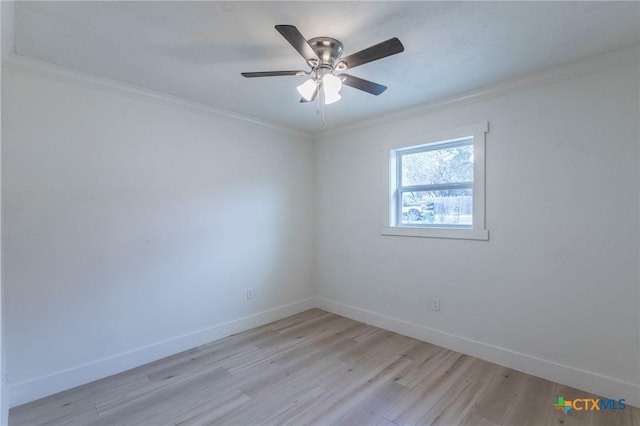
(309, 410)
(279, 390)
(354, 391)
(531, 407)
(352, 375)
(370, 410)
(492, 405)
(300, 318)
(65, 401)
(211, 409)
(317, 368)
(154, 398)
(305, 373)
(76, 412)
(473, 419)
(454, 405)
(283, 413)
(420, 352)
(416, 404)
(422, 371)
(458, 401)
(333, 344)
(628, 417)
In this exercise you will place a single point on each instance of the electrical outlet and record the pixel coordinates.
(250, 293)
(435, 305)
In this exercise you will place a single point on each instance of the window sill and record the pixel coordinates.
(458, 234)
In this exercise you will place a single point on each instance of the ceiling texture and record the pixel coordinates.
(196, 50)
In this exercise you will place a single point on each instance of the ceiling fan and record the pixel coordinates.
(323, 55)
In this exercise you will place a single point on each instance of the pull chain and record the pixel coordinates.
(320, 105)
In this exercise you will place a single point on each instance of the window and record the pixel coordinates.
(436, 188)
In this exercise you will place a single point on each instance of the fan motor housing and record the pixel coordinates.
(328, 49)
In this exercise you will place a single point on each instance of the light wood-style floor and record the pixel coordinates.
(316, 368)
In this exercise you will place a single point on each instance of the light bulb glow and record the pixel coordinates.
(307, 89)
(331, 86)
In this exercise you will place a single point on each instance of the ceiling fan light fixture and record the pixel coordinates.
(307, 89)
(324, 57)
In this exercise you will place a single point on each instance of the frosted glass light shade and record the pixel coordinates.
(331, 83)
(307, 89)
(331, 86)
(331, 97)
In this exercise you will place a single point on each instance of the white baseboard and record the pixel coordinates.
(39, 387)
(30, 390)
(595, 383)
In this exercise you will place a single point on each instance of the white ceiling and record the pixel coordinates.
(196, 50)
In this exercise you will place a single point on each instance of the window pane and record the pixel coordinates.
(444, 207)
(448, 165)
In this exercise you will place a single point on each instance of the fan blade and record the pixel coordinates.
(315, 93)
(271, 73)
(373, 53)
(361, 84)
(298, 42)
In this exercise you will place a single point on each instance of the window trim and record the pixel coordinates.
(478, 230)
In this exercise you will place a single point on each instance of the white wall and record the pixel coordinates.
(556, 289)
(4, 406)
(133, 228)
(6, 48)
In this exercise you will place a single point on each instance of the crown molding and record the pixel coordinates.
(629, 55)
(33, 66)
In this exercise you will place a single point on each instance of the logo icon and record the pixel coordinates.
(563, 405)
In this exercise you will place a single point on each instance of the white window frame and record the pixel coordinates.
(391, 224)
